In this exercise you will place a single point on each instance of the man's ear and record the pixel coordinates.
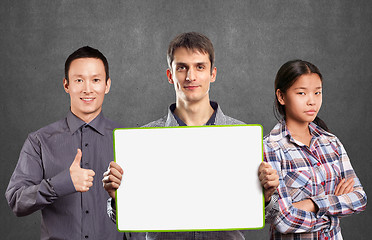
(280, 96)
(214, 74)
(169, 76)
(65, 85)
(108, 85)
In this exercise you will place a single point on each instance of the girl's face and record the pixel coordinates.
(302, 101)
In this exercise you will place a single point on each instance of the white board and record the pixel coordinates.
(189, 178)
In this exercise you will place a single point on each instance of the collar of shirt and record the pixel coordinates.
(74, 123)
(170, 121)
(211, 120)
(281, 131)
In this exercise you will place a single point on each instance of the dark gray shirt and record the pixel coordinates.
(41, 179)
(172, 120)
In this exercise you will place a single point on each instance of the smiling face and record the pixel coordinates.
(87, 87)
(302, 101)
(191, 75)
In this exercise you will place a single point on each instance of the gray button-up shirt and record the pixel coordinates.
(41, 179)
(171, 120)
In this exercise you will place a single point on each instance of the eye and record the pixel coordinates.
(96, 80)
(318, 93)
(200, 67)
(79, 80)
(301, 93)
(180, 68)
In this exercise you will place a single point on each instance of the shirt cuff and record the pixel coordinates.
(323, 205)
(269, 205)
(62, 183)
(112, 203)
(271, 209)
(111, 209)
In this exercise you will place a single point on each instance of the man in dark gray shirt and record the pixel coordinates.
(191, 70)
(58, 163)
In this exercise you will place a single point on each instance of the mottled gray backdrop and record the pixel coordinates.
(252, 40)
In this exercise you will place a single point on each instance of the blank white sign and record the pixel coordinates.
(189, 178)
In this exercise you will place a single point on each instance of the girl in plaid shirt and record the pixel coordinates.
(317, 184)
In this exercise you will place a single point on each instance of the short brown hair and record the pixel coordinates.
(193, 41)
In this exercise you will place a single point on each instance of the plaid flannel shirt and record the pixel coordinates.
(311, 173)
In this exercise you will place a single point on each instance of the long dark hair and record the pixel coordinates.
(286, 77)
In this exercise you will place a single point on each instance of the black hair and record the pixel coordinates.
(86, 52)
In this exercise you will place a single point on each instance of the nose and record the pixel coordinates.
(311, 100)
(87, 87)
(191, 76)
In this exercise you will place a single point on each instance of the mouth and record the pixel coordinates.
(87, 99)
(310, 112)
(191, 87)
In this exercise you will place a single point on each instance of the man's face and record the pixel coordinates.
(87, 87)
(191, 75)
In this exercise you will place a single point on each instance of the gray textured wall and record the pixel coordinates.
(252, 40)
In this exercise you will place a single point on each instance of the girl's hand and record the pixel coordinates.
(307, 205)
(344, 187)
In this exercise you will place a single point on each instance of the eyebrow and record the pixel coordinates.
(80, 75)
(182, 63)
(97, 75)
(306, 88)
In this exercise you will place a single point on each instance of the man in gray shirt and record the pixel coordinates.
(58, 163)
(191, 70)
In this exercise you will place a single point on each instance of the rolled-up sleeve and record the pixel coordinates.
(111, 211)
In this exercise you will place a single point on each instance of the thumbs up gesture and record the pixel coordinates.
(81, 178)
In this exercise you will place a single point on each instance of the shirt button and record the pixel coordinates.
(86, 211)
(318, 164)
(86, 164)
(86, 236)
(86, 144)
